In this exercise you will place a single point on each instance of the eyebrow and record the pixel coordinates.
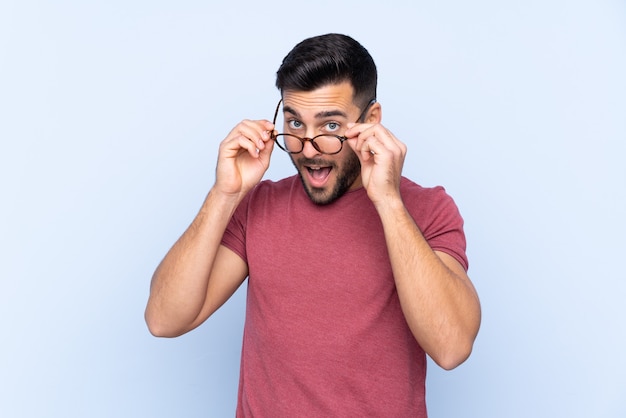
(320, 115)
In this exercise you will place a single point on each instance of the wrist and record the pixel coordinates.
(390, 203)
(224, 202)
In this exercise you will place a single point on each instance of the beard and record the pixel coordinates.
(346, 174)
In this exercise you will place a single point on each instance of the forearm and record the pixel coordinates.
(179, 285)
(438, 300)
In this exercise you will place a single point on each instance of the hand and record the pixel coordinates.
(382, 158)
(244, 156)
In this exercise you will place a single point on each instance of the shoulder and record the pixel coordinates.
(437, 216)
(430, 206)
(271, 186)
(265, 202)
(269, 189)
(413, 193)
(269, 194)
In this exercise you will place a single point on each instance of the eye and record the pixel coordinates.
(332, 126)
(294, 124)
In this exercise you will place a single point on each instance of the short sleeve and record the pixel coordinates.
(439, 219)
(234, 237)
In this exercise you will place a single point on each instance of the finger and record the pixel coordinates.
(379, 140)
(266, 152)
(250, 135)
(355, 129)
(374, 145)
(257, 131)
(367, 140)
(363, 155)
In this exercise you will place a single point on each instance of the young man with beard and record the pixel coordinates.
(355, 273)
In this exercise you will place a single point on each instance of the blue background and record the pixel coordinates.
(110, 117)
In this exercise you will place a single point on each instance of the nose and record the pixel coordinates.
(309, 150)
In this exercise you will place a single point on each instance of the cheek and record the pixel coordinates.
(347, 157)
(350, 163)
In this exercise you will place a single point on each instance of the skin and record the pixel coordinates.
(303, 110)
(198, 274)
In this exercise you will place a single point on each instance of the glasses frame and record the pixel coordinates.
(303, 141)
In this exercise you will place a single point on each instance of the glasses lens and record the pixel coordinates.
(289, 143)
(327, 144)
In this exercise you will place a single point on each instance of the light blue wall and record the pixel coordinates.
(110, 117)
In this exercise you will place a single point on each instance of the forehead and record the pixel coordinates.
(329, 97)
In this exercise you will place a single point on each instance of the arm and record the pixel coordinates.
(198, 274)
(437, 298)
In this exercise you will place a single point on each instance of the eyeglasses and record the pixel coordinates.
(325, 143)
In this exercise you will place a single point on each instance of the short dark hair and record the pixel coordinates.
(329, 59)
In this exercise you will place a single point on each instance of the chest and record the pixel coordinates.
(324, 254)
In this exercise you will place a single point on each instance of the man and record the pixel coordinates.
(354, 272)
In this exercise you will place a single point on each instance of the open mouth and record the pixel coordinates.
(318, 175)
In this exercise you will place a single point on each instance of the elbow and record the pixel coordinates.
(454, 352)
(156, 329)
(451, 359)
(457, 348)
(160, 332)
(169, 322)
(159, 328)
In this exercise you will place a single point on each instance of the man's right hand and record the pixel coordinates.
(244, 157)
(198, 274)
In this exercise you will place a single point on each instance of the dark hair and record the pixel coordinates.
(329, 59)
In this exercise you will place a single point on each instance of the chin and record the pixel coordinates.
(326, 195)
(346, 176)
(320, 197)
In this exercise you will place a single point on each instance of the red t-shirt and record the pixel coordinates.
(324, 334)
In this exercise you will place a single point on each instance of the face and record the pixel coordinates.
(326, 110)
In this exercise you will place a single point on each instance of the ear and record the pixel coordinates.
(374, 114)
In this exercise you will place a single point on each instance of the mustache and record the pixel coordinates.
(315, 161)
